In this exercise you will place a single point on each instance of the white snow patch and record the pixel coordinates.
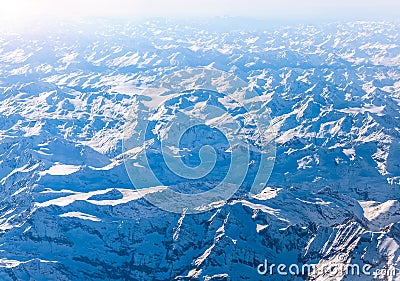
(367, 108)
(6, 263)
(61, 170)
(128, 195)
(267, 193)
(350, 152)
(373, 210)
(260, 227)
(80, 215)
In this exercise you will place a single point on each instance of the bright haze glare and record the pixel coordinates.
(22, 11)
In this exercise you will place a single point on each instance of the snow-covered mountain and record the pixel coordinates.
(69, 210)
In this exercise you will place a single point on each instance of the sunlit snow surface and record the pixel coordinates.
(61, 170)
(68, 210)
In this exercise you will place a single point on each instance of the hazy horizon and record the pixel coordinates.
(20, 11)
